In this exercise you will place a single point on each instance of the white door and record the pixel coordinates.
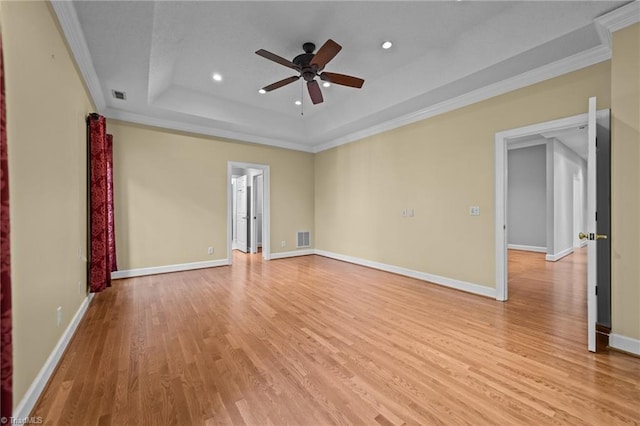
(241, 213)
(590, 222)
(256, 213)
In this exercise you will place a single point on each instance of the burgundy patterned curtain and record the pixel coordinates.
(113, 266)
(6, 354)
(102, 236)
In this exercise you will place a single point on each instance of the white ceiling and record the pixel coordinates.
(445, 54)
(574, 139)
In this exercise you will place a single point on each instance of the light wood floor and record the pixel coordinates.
(314, 341)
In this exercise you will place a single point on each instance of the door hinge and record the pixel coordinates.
(596, 290)
(596, 216)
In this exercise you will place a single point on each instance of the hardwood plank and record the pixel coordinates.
(315, 341)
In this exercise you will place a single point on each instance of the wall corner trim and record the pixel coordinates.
(423, 276)
(621, 17)
(527, 248)
(293, 253)
(30, 398)
(128, 273)
(624, 343)
(557, 256)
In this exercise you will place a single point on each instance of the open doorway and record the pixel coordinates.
(565, 176)
(546, 191)
(247, 206)
(247, 209)
(546, 186)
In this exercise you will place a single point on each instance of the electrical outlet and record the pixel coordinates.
(474, 211)
(59, 316)
(80, 288)
(283, 243)
(210, 250)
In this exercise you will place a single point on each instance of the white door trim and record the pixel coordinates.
(266, 207)
(591, 226)
(500, 173)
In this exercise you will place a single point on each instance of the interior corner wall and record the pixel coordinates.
(46, 133)
(550, 216)
(625, 183)
(527, 196)
(440, 167)
(170, 194)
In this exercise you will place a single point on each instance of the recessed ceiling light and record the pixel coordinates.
(387, 44)
(262, 91)
(298, 103)
(217, 77)
(326, 84)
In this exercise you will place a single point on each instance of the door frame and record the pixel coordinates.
(500, 173)
(266, 207)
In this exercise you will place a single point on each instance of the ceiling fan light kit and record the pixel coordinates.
(310, 66)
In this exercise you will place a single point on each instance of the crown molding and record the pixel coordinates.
(555, 69)
(620, 18)
(116, 114)
(68, 20)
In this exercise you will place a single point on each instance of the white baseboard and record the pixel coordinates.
(25, 406)
(558, 256)
(583, 243)
(527, 248)
(624, 343)
(128, 273)
(292, 254)
(435, 279)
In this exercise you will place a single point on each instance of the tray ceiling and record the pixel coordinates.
(444, 54)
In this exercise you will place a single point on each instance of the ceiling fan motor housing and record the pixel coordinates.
(306, 70)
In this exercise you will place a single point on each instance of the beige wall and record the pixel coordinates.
(625, 182)
(171, 194)
(440, 167)
(46, 107)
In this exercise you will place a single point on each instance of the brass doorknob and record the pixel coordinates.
(584, 236)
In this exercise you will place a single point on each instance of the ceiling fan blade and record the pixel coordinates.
(342, 79)
(275, 58)
(315, 92)
(326, 53)
(281, 83)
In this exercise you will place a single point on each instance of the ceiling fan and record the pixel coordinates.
(310, 65)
